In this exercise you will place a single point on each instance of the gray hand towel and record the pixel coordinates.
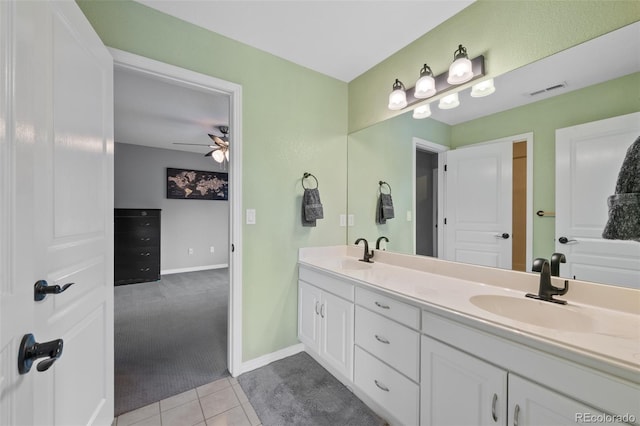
(384, 209)
(624, 205)
(311, 207)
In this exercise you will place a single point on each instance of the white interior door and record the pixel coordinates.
(588, 160)
(57, 204)
(478, 206)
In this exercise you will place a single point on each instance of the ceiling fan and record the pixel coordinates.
(220, 151)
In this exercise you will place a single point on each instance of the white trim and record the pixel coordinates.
(528, 137)
(263, 360)
(424, 145)
(194, 269)
(184, 77)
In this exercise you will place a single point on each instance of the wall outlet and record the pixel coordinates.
(190, 251)
(212, 249)
(251, 216)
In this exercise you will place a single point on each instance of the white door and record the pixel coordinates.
(458, 389)
(478, 206)
(588, 159)
(534, 405)
(336, 345)
(56, 146)
(309, 315)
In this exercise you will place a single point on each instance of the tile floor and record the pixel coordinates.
(219, 403)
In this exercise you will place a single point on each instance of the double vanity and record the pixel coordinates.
(431, 342)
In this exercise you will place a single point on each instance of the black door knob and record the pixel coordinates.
(42, 288)
(30, 350)
(565, 240)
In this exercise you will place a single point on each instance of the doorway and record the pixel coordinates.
(190, 80)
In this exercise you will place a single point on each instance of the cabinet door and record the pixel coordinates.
(336, 345)
(459, 389)
(534, 405)
(309, 315)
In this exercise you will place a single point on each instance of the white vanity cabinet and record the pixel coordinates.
(325, 320)
(387, 354)
(459, 389)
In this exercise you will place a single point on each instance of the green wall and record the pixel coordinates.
(385, 152)
(509, 34)
(610, 99)
(294, 120)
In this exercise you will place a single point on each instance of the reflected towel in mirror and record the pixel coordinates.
(384, 209)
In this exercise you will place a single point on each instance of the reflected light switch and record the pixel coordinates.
(251, 216)
(350, 220)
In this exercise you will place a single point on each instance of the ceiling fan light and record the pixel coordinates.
(449, 102)
(218, 156)
(460, 70)
(484, 88)
(422, 111)
(426, 84)
(398, 97)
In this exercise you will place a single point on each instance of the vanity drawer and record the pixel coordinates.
(397, 394)
(393, 343)
(390, 308)
(327, 283)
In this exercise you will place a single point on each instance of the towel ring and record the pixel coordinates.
(308, 175)
(384, 183)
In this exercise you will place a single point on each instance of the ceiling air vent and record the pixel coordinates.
(549, 89)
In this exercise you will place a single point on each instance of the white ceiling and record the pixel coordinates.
(158, 113)
(339, 38)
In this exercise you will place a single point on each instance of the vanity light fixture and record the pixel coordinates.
(484, 88)
(449, 102)
(460, 70)
(426, 84)
(423, 111)
(398, 97)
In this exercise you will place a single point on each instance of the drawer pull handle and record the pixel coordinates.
(317, 313)
(380, 305)
(322, 310)
(493, 407)
(145, 239)
(383, 387)
(382, 339)
(145, 254)
(144, 269)
(516, 414)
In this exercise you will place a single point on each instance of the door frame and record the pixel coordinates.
(182, 76)
(435, 148)
(528, 137)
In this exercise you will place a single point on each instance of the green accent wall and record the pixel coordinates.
(610, 99)
(509, 34)
(294, 120)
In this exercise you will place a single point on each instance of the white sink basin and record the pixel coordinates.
(536, 312)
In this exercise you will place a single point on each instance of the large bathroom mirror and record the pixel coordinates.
(593, 81)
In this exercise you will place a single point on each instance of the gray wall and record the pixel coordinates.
(140, 182)
(426, 162)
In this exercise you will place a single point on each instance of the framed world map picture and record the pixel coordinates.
(183, 184)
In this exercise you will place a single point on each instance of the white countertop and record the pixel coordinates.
(585, 327)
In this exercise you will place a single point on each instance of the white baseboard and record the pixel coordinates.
(193, 269)
(263, 360)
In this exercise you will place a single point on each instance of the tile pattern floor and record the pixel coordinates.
(219, 403)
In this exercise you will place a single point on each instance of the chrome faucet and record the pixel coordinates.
(367, 254)
(378, 241)
(547, 290)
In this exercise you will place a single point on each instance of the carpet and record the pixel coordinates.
(298, 391)
(170, 336)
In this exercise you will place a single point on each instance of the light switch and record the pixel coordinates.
(251, 216)
(351, 219)
(343, 220)
(408, 215)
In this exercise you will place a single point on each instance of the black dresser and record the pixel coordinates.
(136, 245)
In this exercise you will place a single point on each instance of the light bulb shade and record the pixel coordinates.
(484, 88)
(398, 97)
(423, 111)
(218, 156)
(460, 70)
(426, 84)
(226, 154)
(449, 102)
